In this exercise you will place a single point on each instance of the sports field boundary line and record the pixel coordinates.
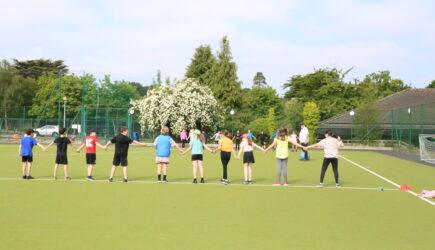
(205, 184)
(387, 180)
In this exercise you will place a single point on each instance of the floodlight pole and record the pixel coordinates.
(64, 111)
(232, 112)
(352, 114)
(409, 124)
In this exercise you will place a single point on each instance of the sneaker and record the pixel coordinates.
(202, 180)
(285, 183)
(110, 179)
(277, 183)
(250, 183)
(165, 181)
(337, 185)
(246, 182)
(194, 181)
(67, 178)
(89, 178)
(223, 181)
(29, 177)
(320, 185)
(125, 180)
(159, 181)
(55, 178)
(24, 177)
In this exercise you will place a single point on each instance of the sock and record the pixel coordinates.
(164, 177)
(159, 177)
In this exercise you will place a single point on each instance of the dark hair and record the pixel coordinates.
(62, 131)
(226, 133)
(282, 133)
(92, 131)
(29, 131)
(123, 129)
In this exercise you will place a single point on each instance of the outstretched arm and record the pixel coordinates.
(19, 150)
(138, 143)
(187, 150)
(99, 145)
(270, 146)
(80, 147)
(206, 147)
(296, 144)
(258, 147)
(49, 145)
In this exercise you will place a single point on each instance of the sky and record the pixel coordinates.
(131, 40)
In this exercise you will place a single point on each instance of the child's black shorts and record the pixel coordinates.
(197, 157)
(91, 159)
(27, 158)
(120, 160)
(61, 159)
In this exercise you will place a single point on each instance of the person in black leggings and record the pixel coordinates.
(226, 147)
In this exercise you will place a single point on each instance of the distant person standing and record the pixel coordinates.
(262, 137)
(183, 138)
(304, 139)
(330, 147)
(238, 139)
(251, 135)
(294, 138)
(216, 137)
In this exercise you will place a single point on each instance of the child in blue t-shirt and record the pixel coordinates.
(197, 145)
(163, 144)
(26, 152)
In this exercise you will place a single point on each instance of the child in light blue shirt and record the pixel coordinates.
(163, 144)
(197, 146)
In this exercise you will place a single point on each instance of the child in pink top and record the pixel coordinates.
(330, 147)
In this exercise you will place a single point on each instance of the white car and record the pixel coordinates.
(47, 130)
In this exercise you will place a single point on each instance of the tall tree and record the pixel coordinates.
(381, 84)
(260, 100)
(38, 67)
(117, 94)
(311, 116)
(224, 81)
(292, 117)
(431, 85)
(141, 89)
(259, 80)
(201, 65)
(52, 90)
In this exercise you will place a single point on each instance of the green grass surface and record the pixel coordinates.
(46, 214)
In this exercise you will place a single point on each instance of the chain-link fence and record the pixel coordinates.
(106, 121)
(399, 126)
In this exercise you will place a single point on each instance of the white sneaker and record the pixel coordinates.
(337, 185)
(320, 185)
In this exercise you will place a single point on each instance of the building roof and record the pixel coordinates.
(409, 98)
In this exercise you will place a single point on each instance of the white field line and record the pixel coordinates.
(387, 180)
(207, 184)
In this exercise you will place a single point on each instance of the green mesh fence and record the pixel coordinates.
(401, 125)
(106, 121)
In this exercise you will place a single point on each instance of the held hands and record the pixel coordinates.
(305, 148)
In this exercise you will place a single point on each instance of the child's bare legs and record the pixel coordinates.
(112, 172)
(125, 172)
(90, 167)
(250, 172)
(29, 168)
(24, 168)
(245, 171)
(164, 168)
(159, 172)
(201, 169)
(55, 170)
(65, 171)
(194, 166)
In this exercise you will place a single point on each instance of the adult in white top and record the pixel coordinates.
(330, 147)
(217, 136)
(304, 138)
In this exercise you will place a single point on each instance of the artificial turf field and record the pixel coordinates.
(141, 214)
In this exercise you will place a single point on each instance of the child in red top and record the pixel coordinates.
(91, 143)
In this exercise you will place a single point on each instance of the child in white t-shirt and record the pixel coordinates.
(330, 147)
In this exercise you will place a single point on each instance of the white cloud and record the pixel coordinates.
(132, 39)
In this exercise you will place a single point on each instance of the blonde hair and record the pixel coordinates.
(164, 130)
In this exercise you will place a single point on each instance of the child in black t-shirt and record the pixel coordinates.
(61, 153)
(122, 143)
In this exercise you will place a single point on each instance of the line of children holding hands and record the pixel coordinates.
(163, 144)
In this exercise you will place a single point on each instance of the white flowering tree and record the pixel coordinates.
(186, 105)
